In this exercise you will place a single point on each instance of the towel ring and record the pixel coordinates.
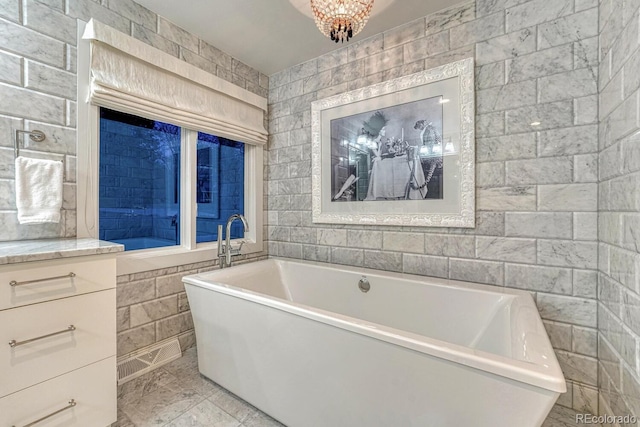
(35, 135)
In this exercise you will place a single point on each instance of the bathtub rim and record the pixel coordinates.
(548, 377)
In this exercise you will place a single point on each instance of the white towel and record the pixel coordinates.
(38, 190)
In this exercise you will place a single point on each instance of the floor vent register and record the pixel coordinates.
(148, 359)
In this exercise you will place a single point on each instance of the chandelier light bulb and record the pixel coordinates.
(340, 20)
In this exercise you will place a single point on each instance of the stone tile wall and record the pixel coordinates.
(537, 197)
(153, 306)
(38, 85)
(619, 208)
(38, 91)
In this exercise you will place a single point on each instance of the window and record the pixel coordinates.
(219, 185)
(169, 218)
(140, 182)
(139, 203)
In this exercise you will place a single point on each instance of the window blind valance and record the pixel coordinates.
(133, 77)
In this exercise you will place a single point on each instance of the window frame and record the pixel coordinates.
(188, 252)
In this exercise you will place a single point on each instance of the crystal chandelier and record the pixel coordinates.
(341, 19)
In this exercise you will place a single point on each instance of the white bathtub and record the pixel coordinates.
(304, 344)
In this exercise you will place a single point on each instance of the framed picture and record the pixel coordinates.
(400, 152)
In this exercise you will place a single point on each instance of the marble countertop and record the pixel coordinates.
(17, 251)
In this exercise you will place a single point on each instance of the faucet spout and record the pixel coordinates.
(224, 250)
(230, 221)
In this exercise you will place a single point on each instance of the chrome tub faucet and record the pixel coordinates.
(225, 251)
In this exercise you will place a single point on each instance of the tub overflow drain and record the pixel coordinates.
(364, 284)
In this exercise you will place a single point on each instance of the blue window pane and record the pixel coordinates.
(139, 181)
(220, 185)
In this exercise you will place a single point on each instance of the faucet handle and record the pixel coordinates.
(236, 251)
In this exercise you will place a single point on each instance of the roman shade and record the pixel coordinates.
(130, 76)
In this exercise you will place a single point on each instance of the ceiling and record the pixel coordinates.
(272, 35)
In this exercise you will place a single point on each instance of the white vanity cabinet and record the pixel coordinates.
(58, 342)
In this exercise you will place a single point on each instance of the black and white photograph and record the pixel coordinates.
(400, 152)
(390, 154)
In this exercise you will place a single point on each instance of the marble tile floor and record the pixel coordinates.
(176, 395)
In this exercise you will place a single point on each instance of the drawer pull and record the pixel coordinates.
(14, 343)
(46, 279)
(71, 404)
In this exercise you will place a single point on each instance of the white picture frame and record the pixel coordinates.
(398, 153)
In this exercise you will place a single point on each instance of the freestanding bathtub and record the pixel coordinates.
(302, 342)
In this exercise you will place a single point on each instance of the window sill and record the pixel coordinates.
(154, 259)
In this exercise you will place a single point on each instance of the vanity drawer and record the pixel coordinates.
(91, 274)
(33, 359)
(93, 389)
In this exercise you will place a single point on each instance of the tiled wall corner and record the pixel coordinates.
(38, 85)
(619, 209)
(153, 306)
(537, 191)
